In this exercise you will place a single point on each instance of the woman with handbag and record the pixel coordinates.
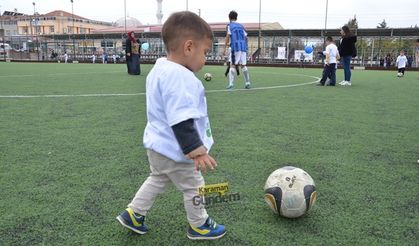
(132, 52)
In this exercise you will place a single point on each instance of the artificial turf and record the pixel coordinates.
(70, 165)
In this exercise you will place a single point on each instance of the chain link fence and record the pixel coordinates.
(375, 47)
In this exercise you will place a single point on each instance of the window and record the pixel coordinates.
(25, 30)
(51, 29)
(106, 43)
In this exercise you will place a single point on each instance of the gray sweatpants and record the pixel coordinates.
(165, 171)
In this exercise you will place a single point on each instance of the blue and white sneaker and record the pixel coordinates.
(229, 87)
(132, 221)
(208, 231)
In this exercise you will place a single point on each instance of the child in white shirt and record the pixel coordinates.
(401, 64)
(332, 55)
(178, 135)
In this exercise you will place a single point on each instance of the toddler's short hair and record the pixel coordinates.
(184, 24)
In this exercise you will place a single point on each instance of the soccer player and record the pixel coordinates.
(401, 63)
(178, 134)
(237, 38)
(93, 58)
(332, 55)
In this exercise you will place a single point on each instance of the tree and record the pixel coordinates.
(382, 25)
(353, 23)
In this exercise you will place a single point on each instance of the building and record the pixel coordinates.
(130, 22)
(58, 22)
(8, 23)
(24, 33)
(55, 22)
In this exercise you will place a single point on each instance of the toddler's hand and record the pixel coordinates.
(201, 150)
(204, 161)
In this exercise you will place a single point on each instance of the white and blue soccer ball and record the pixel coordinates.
(399, 74)
(290, 192)
(207, 77)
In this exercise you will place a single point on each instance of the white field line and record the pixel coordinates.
(75, 95)
(271, 87)
(143, 93)
(54, 74)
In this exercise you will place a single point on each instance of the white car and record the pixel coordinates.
(4, 48)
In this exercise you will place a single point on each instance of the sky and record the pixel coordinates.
(291, 14)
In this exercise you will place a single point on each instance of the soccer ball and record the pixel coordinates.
(207, 77)
(399, 74)
(290, 192)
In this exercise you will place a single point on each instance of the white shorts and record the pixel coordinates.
(240, 58)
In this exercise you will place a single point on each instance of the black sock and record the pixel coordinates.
(228, 69)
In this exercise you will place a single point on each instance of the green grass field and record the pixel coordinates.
(70, 165)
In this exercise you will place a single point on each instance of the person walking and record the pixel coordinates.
(178, 135)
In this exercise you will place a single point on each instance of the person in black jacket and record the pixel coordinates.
(347, 50)
(132, 52)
